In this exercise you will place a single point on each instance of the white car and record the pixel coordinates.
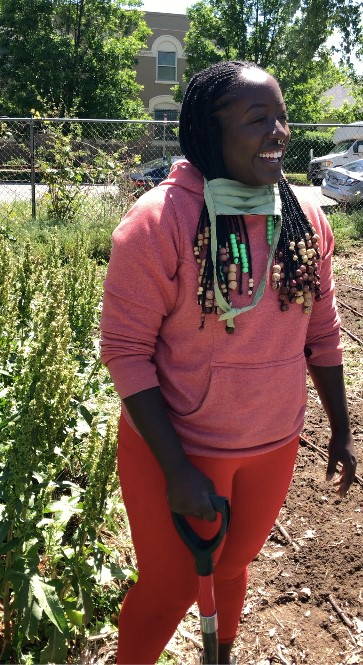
(345, 183)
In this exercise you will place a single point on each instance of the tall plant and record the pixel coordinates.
(57, 454)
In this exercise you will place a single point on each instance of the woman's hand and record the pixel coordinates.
(341, 449)
(189, 491)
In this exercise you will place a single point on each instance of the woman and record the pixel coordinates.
(218, 247)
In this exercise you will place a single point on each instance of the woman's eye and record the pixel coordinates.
(258, 120)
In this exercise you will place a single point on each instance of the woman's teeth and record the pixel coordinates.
(271, 156)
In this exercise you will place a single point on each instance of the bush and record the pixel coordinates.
(297, 156)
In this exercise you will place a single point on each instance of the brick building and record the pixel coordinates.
(161, 65)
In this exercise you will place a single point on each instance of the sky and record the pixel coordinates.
(172, 6)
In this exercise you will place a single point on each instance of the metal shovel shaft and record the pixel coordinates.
(208, 619)
(209, 628)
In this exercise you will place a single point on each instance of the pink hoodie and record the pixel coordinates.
(236, 394)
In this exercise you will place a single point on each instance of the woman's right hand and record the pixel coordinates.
(189, 491)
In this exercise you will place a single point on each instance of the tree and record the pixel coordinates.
(285, 36)
(71, 57)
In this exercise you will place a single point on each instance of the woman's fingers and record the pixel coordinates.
(346, 475)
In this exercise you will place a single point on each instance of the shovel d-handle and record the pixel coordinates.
(201, 548)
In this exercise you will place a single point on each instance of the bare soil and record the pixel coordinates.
(288, 615)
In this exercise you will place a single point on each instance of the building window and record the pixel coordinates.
(165, 133)
(166, 66)
(165, 114)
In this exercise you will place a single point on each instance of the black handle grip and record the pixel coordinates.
(200, 547)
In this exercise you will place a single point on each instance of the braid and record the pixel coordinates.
(295, 271)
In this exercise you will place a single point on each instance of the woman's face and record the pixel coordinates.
(255, 133)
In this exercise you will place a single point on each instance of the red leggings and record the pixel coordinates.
(256, 487)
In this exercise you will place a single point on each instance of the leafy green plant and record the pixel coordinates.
(60, 169)
(57, 454)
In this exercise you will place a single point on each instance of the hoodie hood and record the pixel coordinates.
(184, 174)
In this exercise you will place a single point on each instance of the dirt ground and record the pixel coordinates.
(289, 616)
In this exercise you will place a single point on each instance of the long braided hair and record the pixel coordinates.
(294, 273)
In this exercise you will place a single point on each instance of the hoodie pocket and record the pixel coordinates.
(248, 404)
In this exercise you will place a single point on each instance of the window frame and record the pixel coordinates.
(168, 81)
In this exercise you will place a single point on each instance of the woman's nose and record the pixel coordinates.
(280, 129)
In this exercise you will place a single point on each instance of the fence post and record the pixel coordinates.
(32, 168)
(164, 136)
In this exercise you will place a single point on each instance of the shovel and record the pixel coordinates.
(202, 550)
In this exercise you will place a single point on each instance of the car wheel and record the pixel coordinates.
(316, 181)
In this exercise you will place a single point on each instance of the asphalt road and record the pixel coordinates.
(10, 193)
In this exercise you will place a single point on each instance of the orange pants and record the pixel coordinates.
(256, 487)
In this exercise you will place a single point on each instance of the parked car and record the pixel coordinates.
(345, 183)
(152, 173)
(349, 148)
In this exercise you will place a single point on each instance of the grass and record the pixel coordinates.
(96, 218)
(297, 178)
(347, 228)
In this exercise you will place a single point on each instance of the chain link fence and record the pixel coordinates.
(64, 167)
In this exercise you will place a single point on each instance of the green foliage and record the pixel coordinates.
(65, 166)
(287, 38)
(298, 151)
(57, 449)
(347, 228)
(297, 178)
(71, 57)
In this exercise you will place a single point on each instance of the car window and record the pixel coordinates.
(356, 167)
(342, 147)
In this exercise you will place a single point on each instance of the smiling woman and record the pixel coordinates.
(254, 135)
(221, 245)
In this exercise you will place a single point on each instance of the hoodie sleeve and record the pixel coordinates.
(139, 291)
(323, 344)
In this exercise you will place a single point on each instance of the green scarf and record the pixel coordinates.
(229, 197)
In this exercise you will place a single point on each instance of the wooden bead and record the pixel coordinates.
(299, 300)
(232, 285)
